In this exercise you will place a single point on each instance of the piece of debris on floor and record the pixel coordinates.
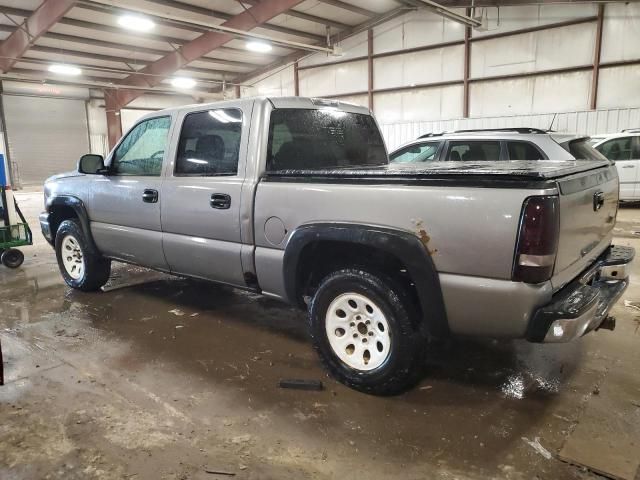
(535, 444)
(177, 312)
(219, 472)
(300, 384)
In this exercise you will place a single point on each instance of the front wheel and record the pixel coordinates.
(365, 330)
(80, 268)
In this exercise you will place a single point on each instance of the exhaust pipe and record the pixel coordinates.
(609, 323)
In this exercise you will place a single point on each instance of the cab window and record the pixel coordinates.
(210, 143)
(420, 152)
(320, 139)
(142, 151)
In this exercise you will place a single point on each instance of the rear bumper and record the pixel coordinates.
(584, 304)
(45, 227)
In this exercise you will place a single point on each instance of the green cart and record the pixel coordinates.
(12, 236)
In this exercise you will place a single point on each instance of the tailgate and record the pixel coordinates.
(588, 208)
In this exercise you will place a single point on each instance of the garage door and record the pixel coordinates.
(46, 135)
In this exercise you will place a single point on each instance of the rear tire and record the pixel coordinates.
(80, 268)
(12, 258)
(366, 332)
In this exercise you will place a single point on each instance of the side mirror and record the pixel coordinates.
(91, 164)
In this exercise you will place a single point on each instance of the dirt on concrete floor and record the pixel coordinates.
(167, 378)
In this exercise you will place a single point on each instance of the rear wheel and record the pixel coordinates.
(80, 268)
(12, 258)
(365, 330)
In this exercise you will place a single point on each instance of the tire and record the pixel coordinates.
(80, 268)
(12, 258)
(391, 360)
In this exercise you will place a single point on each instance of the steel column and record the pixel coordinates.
(465, 78)
(596, 58)
(114, 123)
(296, 79)
(370, 67)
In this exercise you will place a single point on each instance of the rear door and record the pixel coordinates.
(124, 206)
(622, 151)
(201, 194)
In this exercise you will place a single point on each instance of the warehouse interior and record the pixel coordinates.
(160, 376)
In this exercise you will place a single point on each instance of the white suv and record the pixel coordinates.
(496, 144)
(624, 149)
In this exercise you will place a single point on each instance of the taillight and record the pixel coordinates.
(537, 240)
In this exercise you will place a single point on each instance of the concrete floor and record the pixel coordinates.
(174, 379)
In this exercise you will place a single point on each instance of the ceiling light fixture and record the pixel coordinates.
(64, 69)
(260, 47)
(183, 82)
(136, 22)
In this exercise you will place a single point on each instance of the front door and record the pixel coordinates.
(201, 195)
(125, 204)
(620, 150)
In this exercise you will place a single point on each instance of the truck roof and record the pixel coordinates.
(310, 103)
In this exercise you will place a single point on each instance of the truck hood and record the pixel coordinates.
(525, 169)
(73, 173)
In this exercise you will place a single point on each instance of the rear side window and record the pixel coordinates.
(617, 149)
(581, 150)
(210, 143)
(523, 151)
(323, 139)
(473, 151)
(421, 152)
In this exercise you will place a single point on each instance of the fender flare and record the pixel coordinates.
(401, 244)
(81, 211)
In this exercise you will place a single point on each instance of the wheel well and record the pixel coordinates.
(59, 214)
(319, 259)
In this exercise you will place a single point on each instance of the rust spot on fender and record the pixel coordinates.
(423, 236)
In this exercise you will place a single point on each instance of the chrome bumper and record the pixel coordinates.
(584, 304)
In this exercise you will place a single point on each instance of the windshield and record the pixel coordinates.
(582, 150)
(323, 139)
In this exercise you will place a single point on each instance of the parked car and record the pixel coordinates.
(294, 198)
(496, 144)
(624, 149)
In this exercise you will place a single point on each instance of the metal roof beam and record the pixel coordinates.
(351, 8)
(19, 12)
(247, 20)
(98, 7)
(301, 15)
(36, 24)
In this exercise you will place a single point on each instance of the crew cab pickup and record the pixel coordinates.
(295, 198)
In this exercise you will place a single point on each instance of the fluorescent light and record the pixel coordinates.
(136, 22)
(183, 82)
(261, 47)
(64, 69)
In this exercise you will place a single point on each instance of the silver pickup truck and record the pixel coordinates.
(294, 198)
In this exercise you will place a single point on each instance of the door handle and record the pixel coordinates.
(221, 201)
(628, 166)
(150, 196)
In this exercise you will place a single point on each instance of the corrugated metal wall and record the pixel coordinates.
(529, 100)
(587, 122)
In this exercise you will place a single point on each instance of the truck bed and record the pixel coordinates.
(506, 170)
